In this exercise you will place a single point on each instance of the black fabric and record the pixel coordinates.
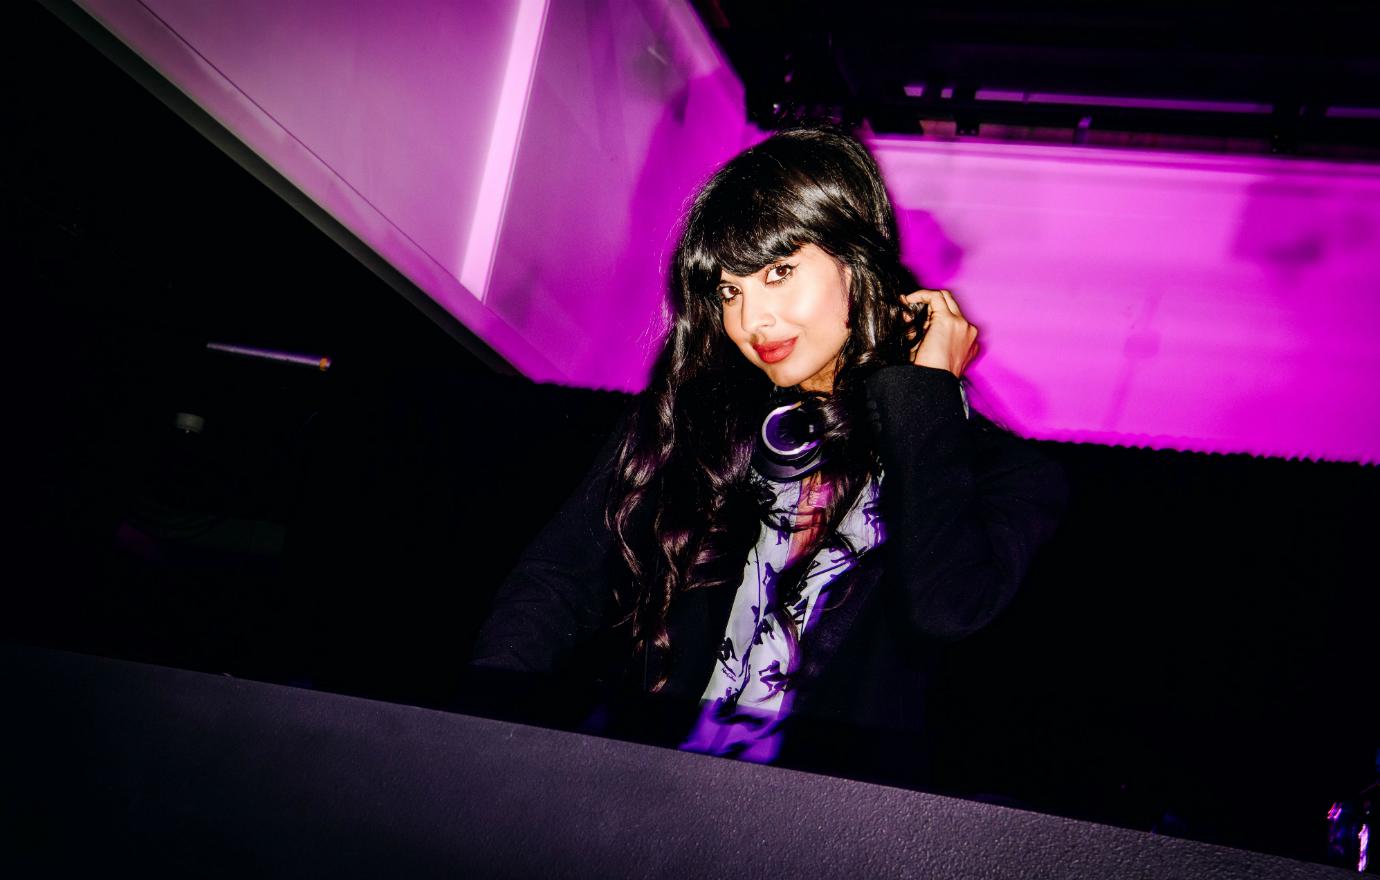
(966, 505)
(120, 769)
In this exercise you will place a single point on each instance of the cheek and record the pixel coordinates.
(834, 309)
(820, 311)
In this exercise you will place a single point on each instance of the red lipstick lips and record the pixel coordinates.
(775, 351)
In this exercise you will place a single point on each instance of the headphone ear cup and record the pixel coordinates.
(789, 443)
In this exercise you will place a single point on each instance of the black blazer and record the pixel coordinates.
(965, 506)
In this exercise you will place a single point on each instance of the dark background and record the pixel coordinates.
(855, 60)
(1193, 654)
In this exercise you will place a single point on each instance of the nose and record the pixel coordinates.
(758, 313)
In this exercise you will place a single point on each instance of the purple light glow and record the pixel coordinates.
(503, 140)
(1363, 853)
(526, 165)
(360, 111)
(631, 109)
(1020, 97)
(494, 167)
(1214, 303)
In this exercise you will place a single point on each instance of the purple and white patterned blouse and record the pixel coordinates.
(749, 693)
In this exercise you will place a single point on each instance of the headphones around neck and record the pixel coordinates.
(789, 444)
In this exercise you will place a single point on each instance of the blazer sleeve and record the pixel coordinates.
(965, 506)
(558, 594)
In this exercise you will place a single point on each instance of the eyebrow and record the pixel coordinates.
(722, 281)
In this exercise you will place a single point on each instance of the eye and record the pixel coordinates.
(727, 293)
(779, 272)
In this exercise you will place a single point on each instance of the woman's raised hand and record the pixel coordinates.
(950, 342)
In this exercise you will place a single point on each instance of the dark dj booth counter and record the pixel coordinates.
(114, 765)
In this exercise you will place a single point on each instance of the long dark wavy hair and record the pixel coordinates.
(690, 441)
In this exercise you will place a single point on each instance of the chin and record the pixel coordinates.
(787, 377)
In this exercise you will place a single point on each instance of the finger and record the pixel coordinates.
(932, 298)
(923, 294)
(911, 305)
(951, 302)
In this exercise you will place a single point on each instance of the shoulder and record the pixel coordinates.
(914, 391)
(921, 417)
(1019, 466)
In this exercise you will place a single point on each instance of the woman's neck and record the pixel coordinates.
(814, 497)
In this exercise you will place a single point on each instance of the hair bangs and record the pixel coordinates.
(749, 218)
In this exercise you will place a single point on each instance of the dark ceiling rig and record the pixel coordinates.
(1294, 79)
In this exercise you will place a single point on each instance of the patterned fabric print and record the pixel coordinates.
(749, 694)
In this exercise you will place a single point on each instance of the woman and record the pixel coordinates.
(781, 601)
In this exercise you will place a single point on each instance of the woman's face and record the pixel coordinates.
(790, 319)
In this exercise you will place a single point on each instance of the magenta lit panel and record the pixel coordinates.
(630, 111)
(439, 132)
(1215, 303)
(525, 164)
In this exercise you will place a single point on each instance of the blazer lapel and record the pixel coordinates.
(696, 626)
(827, 633)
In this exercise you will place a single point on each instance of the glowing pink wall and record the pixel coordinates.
(630, 110)
(524, 163)
(1216, 303)
(518, 161)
